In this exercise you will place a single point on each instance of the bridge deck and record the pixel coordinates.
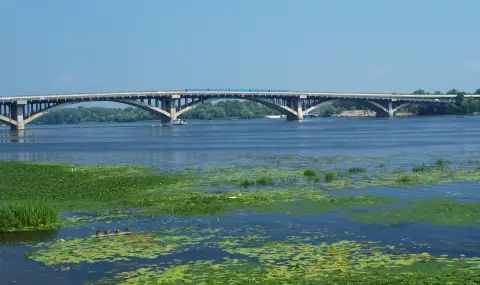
(140, 94)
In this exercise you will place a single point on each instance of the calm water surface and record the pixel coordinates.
(401, 141)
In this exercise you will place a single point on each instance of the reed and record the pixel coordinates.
(28, 215)
(357, 170)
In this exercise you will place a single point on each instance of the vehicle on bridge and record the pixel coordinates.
(234, 90)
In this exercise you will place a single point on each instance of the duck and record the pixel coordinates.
(98, 234)
(107, 232)
(127, 229)
(117, 231)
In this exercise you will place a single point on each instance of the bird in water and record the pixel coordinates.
(127, 229)
(117, 231)
(98, 234)
(107, 232)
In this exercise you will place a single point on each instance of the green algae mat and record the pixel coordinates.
(231, 202)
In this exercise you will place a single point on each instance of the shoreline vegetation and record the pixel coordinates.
(178, 204)
(238, 109)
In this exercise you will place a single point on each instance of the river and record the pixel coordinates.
(403, 141)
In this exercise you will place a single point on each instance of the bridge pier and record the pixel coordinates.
(297, 106)
(386, 112)
(18, 116)
(171, 106)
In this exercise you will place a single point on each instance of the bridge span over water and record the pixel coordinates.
(168, 105)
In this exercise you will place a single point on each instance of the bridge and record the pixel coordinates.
(169, 105)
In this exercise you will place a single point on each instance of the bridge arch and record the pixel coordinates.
(284, 110)
(7, 121)
(152, 109)
(379, 108)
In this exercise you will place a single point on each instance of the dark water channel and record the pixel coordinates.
(402, 142)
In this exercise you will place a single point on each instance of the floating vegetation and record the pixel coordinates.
(190, 203)
(81, 187)
(345, 261)
(28, 215)
(434, 211)
(220, 213)
(111, 249)
(320, 206)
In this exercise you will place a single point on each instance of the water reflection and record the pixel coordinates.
(17, 136)
(29, 236)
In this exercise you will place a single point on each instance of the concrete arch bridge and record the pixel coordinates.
(168, 105)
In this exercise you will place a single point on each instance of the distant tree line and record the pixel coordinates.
(231, 109)
(461, 106)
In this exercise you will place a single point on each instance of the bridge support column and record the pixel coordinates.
(17, 115)
(389, 111)
(297, 106)
(172, 106)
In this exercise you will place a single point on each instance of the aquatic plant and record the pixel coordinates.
(404, 179)
(356, 170)
(330, 176)
(320, 206)
(265, 180)
(81, 187)
(434, 211)
(441, 164)
(420, 168)
(309, 172)
(342, 262)
(112, 249)
(28, 215)
(190, 203)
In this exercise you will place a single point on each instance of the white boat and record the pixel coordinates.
(178, 123)
(172, 123)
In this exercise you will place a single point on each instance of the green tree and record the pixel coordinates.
(419, 92)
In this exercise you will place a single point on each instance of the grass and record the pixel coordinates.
(420, 168)
(310, 172)
(262, 181)
(74, 187)
(404, 179)
(330, 176)
(28, 215)
(265, 180)
(356, 170)
(442, 164)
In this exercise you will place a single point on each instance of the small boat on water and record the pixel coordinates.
(178, 123)
(172, 123)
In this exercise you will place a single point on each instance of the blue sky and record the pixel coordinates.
(58, 46)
